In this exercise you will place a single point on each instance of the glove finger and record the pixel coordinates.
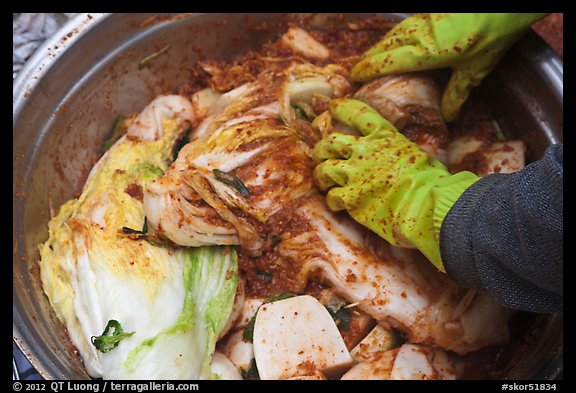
(410, 46)
(395, 38)
(334, 145)
(331, 173)
(463, 79)
(405, 33)
(336, 199)
(407, 58)
(360, 116)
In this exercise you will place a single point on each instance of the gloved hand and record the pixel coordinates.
(471, 44)
(385, 181)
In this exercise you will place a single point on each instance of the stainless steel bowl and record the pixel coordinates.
(71, 90)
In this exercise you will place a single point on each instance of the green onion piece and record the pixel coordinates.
(118, 129)
(140, 234)
(303, 111)
(335, 304)
(111, 337)
(145, 61)
(282, 296)
(342, 317)
(341, 314)
(252, 373)
(180, 143)
(248, 333)
(130, 231)
(231, 180)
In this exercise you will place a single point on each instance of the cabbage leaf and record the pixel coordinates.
(171, 300)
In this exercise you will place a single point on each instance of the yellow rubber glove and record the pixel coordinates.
(470, 44)
(385, 181)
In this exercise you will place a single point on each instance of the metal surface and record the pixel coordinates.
(15, 372)
(75, 85)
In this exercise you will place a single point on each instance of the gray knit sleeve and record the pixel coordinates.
(505, 235)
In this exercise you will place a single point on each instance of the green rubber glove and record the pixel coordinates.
(470, 44)
(385, 181)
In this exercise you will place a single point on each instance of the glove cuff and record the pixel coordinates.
(422, 212)
(446, 193)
